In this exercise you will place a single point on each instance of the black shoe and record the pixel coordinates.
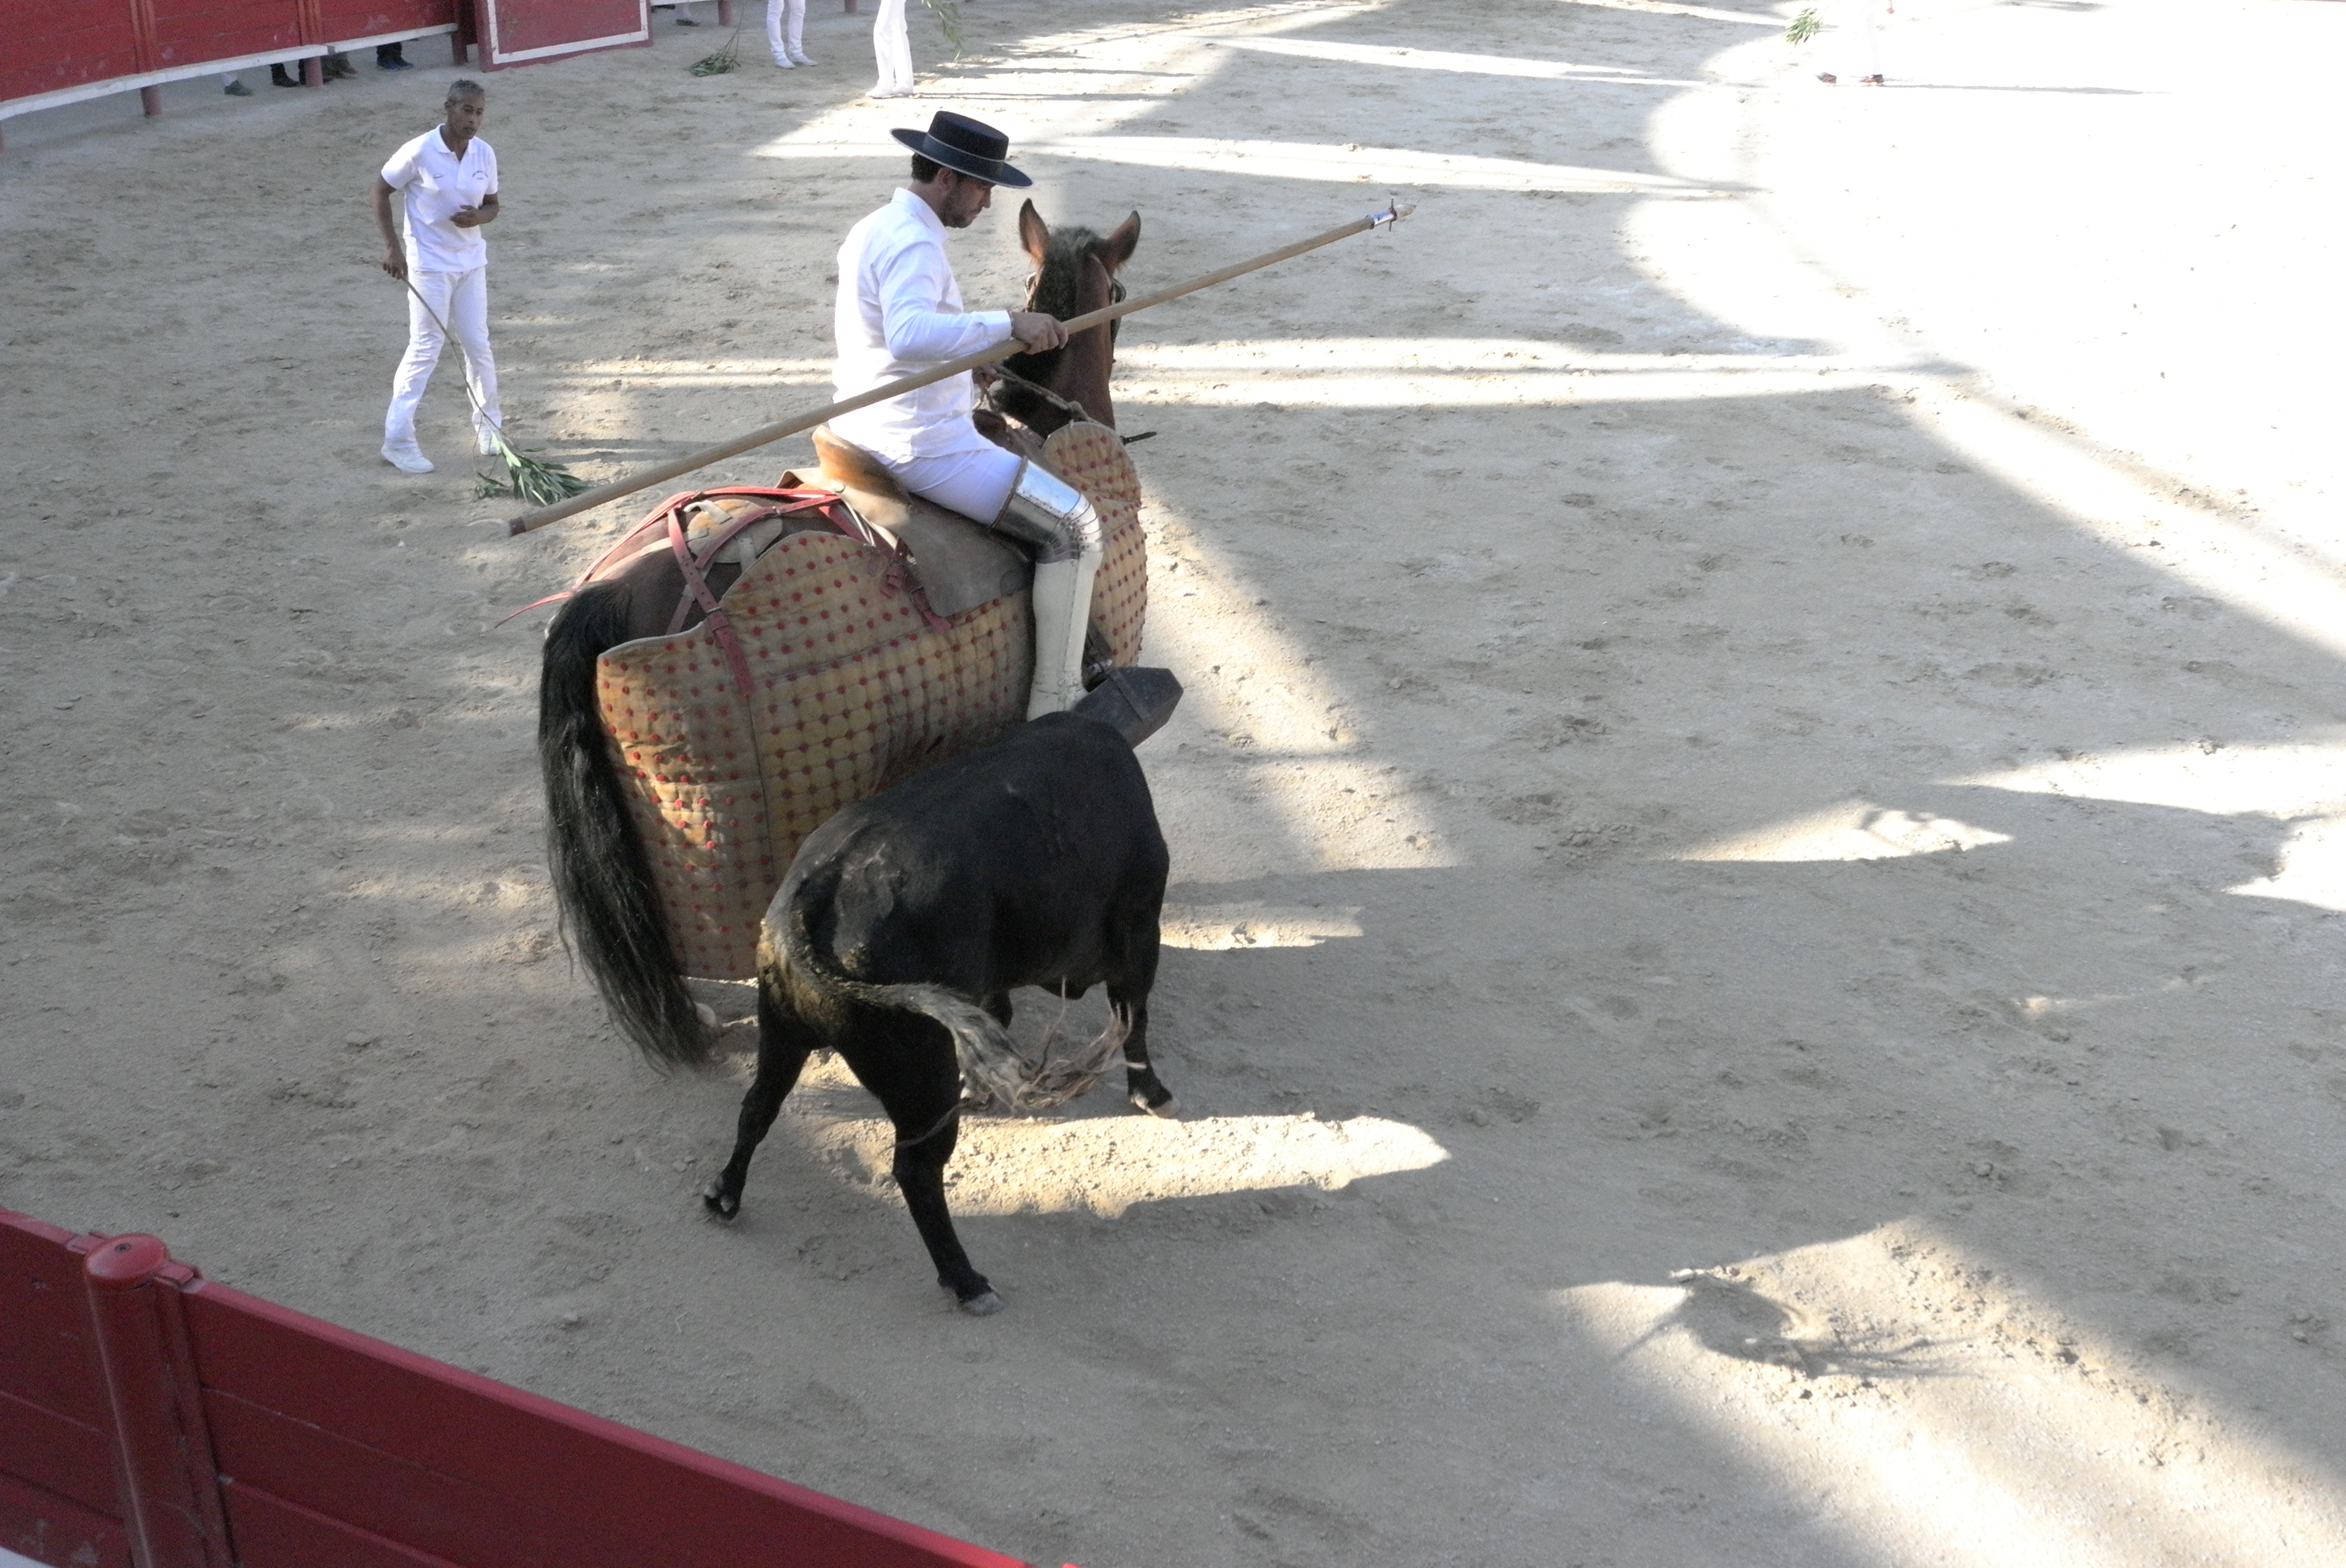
(279, 76)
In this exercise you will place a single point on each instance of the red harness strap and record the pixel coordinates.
(669, 518)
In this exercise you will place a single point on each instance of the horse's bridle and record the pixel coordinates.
(1064, 404)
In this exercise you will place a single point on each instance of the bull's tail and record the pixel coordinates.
(994, 1071)
(610, 908)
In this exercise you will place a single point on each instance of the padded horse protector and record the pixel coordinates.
(851, 689)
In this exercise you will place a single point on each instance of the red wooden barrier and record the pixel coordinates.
(520, 32)
(150, 1419)
(58, 53)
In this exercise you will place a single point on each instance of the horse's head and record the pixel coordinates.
(1074, 273)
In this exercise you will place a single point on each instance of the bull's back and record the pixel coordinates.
(1022, 852)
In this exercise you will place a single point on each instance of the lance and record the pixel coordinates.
(645, 479)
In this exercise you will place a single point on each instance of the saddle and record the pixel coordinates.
(959, 563)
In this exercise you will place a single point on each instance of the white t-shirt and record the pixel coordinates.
(434, 184)
(899, 313)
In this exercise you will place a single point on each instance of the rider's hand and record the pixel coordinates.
(395, 263)
(1037, 329)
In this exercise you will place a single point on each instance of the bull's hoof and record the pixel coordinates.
(985, 1304)
(722, 1204)
(1169, 1107)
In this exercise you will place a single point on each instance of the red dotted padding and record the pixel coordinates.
(851, 691)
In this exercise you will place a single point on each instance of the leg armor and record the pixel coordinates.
(1055, 519)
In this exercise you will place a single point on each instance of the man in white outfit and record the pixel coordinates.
(900, 313)
(892, 47)
(447, 181)
(1852, 43)
(786, 33)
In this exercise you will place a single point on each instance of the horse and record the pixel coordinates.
(622, 909)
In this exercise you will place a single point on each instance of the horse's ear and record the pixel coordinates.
(1033, 233)
(1118, 248)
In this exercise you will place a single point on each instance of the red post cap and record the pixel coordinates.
(126, 1262)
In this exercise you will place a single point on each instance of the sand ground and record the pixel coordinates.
(1759, 833)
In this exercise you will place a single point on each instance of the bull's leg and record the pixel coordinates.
(783, 1043)
(925, 1107)
(1128, 994)
(1142, 1087)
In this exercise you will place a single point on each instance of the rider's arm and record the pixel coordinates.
(911, 281)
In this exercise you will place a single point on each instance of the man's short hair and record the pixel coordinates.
(466, 88)
(924, 169)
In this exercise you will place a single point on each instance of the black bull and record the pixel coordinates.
(906, 920)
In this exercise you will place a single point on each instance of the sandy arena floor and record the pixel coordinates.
(1759, 827)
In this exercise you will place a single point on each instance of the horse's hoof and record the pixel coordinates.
(720, 1206)
(986, 1304)
(1169, 1107)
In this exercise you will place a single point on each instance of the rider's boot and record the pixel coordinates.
(1057, 521)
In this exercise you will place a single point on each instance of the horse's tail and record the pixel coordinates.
(610, 908)
(991, 1067)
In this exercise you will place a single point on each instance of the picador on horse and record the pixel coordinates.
(867, 734)
(749, 660)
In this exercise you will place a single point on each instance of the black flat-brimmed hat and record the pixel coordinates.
(961, 144)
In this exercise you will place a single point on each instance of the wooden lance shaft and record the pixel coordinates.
(646, 478)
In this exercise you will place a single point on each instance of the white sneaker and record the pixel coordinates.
(889, 93)
(802, 59)
(408, 459)
(782, 64)
(485, 441)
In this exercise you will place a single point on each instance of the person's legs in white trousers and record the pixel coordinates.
(462, 301)
(1852, 48)
(786, 31)
(977, 484)
(892, 46)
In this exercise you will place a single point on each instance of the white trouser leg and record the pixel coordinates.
(1856, 48)
(469, 308)
(977, 484)
(892, 47)
(974, 483)
(1063, 613)
(786, 30)
(462, 301)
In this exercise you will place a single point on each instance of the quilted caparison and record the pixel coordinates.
(849, 691)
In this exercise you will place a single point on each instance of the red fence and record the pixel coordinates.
(59, 51)
(56, 52)
(150, 1419)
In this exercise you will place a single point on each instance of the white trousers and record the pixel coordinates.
(1853, 49)
(975, 483)
(892, 46)
(786, 40)
(462, 299)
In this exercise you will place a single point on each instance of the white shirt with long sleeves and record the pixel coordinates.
(899, 313)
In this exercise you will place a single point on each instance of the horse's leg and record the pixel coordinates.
(783, 1043)
(918, 1083)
